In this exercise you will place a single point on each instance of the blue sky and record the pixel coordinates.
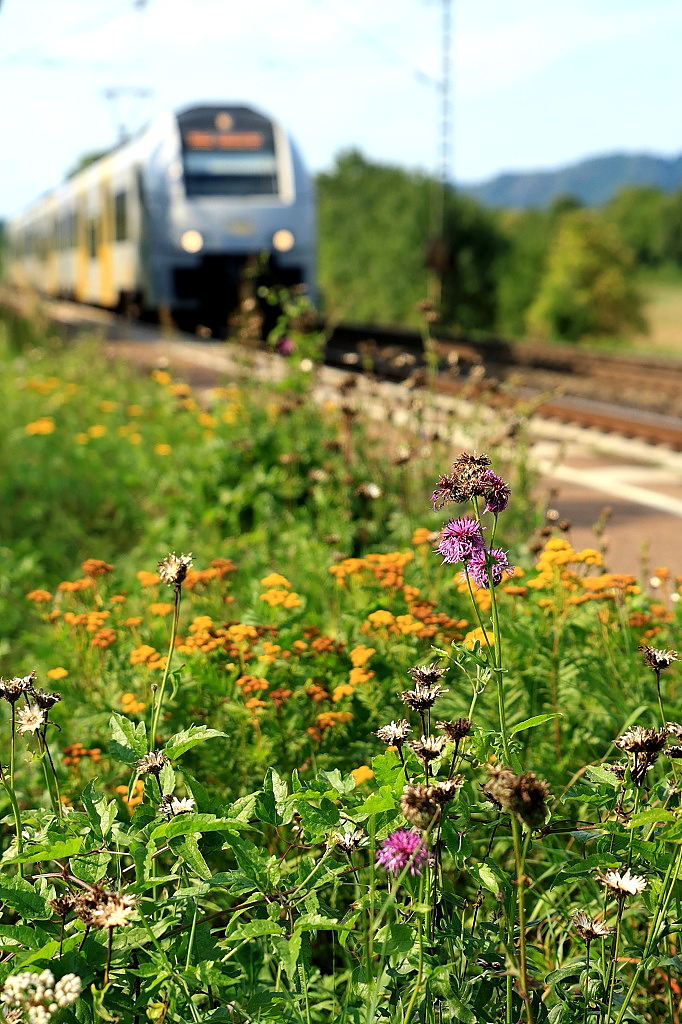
(535, 83)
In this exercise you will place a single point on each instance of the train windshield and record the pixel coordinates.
(228, 152)
(219, 172)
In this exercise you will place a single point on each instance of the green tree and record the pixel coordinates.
(375, 231)
(588, 287)
(640, 216)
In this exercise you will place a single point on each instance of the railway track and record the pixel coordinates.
(629, 396)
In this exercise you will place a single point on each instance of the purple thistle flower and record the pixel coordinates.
(459, 540)
(443, 492)
(495, 491)
(402, 848)
(493, 560)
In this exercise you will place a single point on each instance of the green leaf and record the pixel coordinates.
(651, 816)
(186, 849)
(128, 742)
(532, 723)
(23, 898)
(271, 804)
(383, 800)
(188, 824)
(101, 814)
(288, 952)
(601, 775)
(188, 738)
(318, 819)
(57, 850)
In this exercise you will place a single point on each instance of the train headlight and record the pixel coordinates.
(192, 241)
(283, 240)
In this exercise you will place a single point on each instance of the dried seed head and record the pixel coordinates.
(173, 569)
(419, 806)
(152, 763)
(12, 689)
(457, 730)
(444, 792)
(395, 734)
(622, 885)
(523, 795)
(639, 740)
(62, 905)
(44, 699)
(427, 675)
(428, 748)
(618, 769)
(114, 910)
(657, 660)
(588, 928)
(422, 697)
(30, 719)
(347, 841)
(171, 806)
(674, 751)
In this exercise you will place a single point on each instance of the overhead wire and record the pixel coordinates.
(376, 42)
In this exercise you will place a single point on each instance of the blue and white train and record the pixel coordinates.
(176, 220)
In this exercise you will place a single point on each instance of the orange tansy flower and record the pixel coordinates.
(148, 579)
(94, 567)
(421, 536)
(275, 580)
(143, 654)
(130, 705)
(162, 449)
(345, 690)
(103, 638)
(44, 425)
(359, 675)
(362, 774)
(328, 719)
(74, 586)
(360, 655)
(133, 621)
(160, 608)
(381, 617)
(97, 430)
(57, 673)
(38, 596)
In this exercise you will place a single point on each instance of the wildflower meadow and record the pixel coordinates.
(305, 724)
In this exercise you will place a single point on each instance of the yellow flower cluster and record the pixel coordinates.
(44, 425)
(387, 569)
(398, 625)
(559, 564)
(130, 705)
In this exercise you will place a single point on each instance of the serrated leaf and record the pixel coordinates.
(57, 850)
(128, 742)
(24, 899)
(383, 800)
(100, 813)
(650, 816)
(187, 849)
(601, 775)
(188, 738)
(189, 824)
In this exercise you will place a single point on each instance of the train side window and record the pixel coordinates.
(92, 239)
(121, 216)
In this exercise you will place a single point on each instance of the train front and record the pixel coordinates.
(239, 216)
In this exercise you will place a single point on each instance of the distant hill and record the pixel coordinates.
(592, 181)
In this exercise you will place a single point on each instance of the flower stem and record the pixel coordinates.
(156, 714)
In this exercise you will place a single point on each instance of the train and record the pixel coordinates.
(205, 208)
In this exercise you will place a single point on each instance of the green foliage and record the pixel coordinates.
(376, 226)
(587, 289)
(191, 834)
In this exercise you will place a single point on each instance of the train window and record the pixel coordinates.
(120, 217)
(92, 239)
(230, 173)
